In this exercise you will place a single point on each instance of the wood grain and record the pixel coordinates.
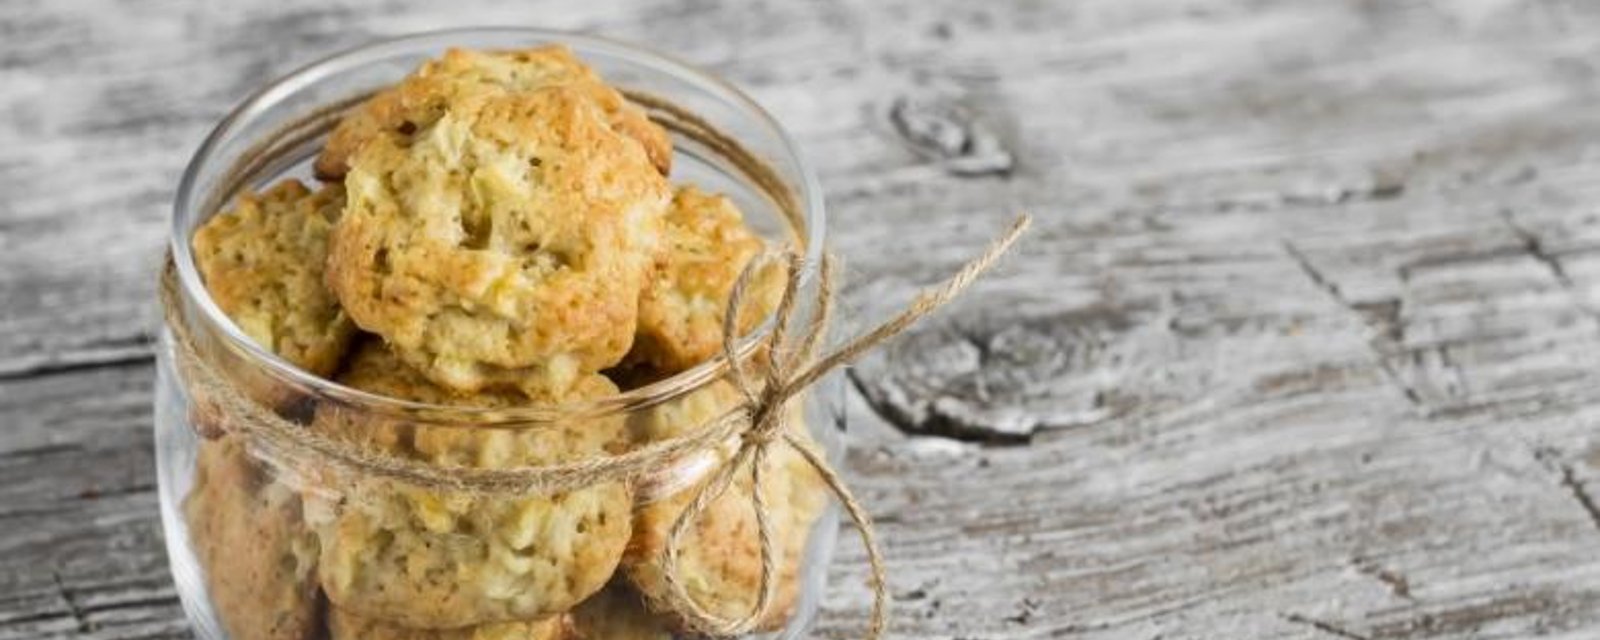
(1304, 345)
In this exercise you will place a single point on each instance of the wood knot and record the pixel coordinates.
(996, 379)
(951, 134)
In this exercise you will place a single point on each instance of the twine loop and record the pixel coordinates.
(789, 366)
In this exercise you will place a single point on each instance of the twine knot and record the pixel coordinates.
(764, 432)
(788, 366)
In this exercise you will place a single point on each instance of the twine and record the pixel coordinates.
(757, 423)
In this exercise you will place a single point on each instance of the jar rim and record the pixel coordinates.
(805, 188)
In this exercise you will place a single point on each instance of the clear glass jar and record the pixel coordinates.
(254, 562)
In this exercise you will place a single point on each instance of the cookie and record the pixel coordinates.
(616, 613)
(437, 560)
(719, 556)
(503, 245)
(705, 247)
(347, 626)
(256, 552)
(426, 94)
(262, 262)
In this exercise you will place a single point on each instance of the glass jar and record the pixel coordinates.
(259, 536)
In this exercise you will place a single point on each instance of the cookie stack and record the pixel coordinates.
(496, 230)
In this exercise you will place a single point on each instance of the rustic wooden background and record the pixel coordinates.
(1304, 344)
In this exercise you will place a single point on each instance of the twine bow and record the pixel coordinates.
(788, 367)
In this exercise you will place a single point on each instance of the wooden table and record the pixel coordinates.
(1305, 343)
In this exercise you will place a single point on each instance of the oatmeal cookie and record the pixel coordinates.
(705, 247)
(503, 245)
(257, 554)
(719, 556)
(262, 262)
(616, 613)
(427, 94)
(436, 560)
(348, 626)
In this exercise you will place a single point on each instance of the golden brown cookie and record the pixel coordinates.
(262, 262)
(426, 94)
(706, 246)
(434, 559)
(257, 554)
(719, 556)
(502, 245)
(347, 626)
(616, 613)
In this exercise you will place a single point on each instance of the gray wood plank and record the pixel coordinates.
(1304, 344)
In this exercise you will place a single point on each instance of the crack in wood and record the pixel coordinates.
(1396, 583)
(10, 622)
(1468, 619)
(1325, 627)
(43, 450)
(137, 488)
(1551, 458)
(1384, 323)
(1536, 250)
(1379, 189)
(1580, 494)
(103, 351)
(134, 603)
(1405, 272)
(76, 605)
(84, 626)
(31, 512)
(1315, 275)
(1024, 612)
(46, 368)
(1384, 316)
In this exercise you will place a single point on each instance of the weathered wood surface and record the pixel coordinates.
(1305, 343)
